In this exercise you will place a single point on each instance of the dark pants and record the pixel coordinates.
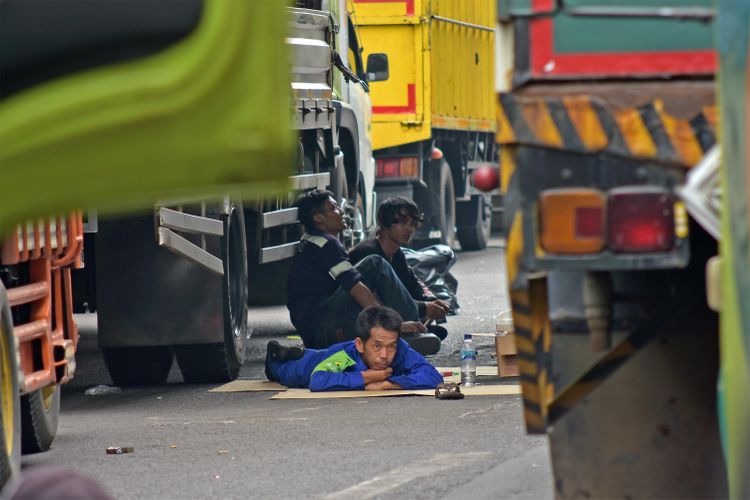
(339, 321)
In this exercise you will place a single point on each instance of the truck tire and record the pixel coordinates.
(442, 200)
(10, 412)
(40, 412)
(147, 365)
(221, 362)
(474, 222)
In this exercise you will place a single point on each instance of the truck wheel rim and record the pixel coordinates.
(47, 395)
(235, 296)
(450, 216)
(6, 391)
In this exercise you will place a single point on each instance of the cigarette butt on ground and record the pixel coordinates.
(119, 450)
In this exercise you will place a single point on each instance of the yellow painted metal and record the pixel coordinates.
(7, 394)
(400, 112)
(463, 64)
(534, 342)
(47, 394)
(587, 125)
(441, 66)
(635, 133)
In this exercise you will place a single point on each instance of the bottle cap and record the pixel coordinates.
(467, 336)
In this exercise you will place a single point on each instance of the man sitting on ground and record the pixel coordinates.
(325, 292)
(398, 219)
(376, 360)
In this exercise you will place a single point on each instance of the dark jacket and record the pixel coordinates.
(318, 270)
(417, 289)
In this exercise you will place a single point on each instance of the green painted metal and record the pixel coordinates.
(652, 4)
(205, 117)
(598, 34)
(732, 43)
(506, 8)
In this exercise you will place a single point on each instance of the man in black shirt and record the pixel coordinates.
(325, 292)
(398, 219)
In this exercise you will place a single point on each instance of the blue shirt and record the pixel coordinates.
(340, 367)
(318, 270)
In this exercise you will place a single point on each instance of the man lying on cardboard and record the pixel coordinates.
(377, 359)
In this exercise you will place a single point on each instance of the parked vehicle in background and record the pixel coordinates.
(175, 282)
(607, 107)
(128, 112)
(38, 336)
(430, 65)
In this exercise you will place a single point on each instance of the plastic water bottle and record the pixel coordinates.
(468, 361)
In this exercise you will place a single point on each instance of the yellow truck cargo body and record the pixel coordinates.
(441, 66)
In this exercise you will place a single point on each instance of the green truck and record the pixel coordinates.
(99, 109)
(607, 109)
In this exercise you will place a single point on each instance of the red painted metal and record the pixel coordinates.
(409, 4)
(27, 293)
(49, 256)
(546, 63)
(411, 106)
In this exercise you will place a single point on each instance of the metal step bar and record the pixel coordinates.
(169, 221)
(182, 247)
(279, 252)
(310, 181)
(287, 216)
(188, 223)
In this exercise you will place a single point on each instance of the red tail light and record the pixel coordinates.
(398, 167)
(640, 220)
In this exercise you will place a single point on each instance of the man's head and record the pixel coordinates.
(398, 218)
(318, 210)
(378, 330)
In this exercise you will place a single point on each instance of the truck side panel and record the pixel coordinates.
(398, 104)
(462, 63)
(452, 87)
(593, 38)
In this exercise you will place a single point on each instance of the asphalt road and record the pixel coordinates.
(189, 443)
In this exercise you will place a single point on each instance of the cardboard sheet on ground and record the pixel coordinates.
(478, 390)
(286, 393)
(482, 371)
(249, 386)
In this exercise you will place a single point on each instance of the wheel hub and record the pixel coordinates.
(355, 232)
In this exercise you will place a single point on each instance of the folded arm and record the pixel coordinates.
(416, 373)
(332, 381)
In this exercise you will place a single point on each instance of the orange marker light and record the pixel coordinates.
(571, 221)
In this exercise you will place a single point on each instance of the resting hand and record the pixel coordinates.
(412, 327)
(436, 309)
(385, 385)
(374, 376)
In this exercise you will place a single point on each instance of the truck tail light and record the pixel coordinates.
(572, 221)
(398, 167)
(640, 220)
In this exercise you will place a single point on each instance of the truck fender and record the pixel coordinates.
(347, 120)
